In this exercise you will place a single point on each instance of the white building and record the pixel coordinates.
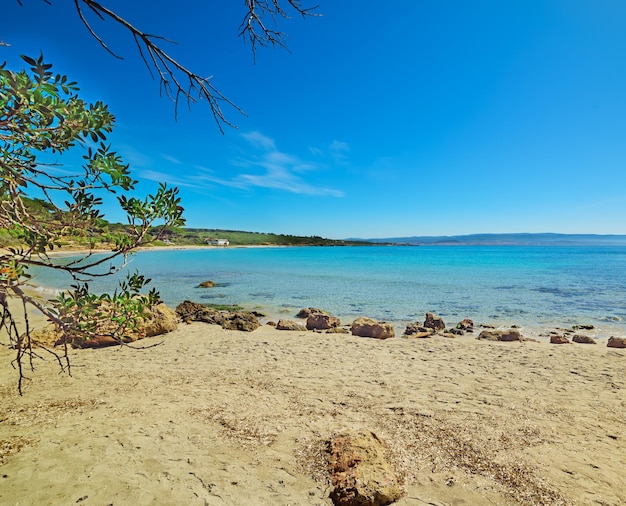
(217, 242)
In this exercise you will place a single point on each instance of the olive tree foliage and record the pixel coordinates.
(41, 115)
(258, 27)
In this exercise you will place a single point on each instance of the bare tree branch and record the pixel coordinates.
(255, 29)
(259, 27)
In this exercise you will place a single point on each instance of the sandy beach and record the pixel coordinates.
(214, 417)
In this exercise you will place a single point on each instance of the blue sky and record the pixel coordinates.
(417, 118)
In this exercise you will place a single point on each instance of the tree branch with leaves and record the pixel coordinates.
(41, 114)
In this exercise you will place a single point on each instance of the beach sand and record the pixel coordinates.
(217, 417)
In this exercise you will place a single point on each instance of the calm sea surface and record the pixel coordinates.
(503, 285)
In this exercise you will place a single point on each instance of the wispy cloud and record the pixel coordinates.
(171, 159)
(259, 140)
(262, 165)
(269, 167)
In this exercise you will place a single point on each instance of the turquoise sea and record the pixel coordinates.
(533, 287)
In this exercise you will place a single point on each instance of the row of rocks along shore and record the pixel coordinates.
(318, 320)
(163, 320)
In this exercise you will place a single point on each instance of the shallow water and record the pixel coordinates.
(501, 285)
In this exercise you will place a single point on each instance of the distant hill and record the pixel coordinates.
(525, 239)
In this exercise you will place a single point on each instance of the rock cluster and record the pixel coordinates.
(190, 311)
(434, 324)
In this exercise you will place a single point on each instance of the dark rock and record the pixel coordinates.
(579, 338)
(564, 331)
(466, 325)
(616, 342)
(434, 321)
(559, 339)
(241, 320)
(195, 312)
(207, 284)
(231, 320)
(368, 327)
(322, 321)
(584, 326)
(308, 311)
(359, 471)
(457, 332)
(412, 329)
(420, 335)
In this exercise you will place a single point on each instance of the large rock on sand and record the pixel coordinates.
(162, 320)
(240, 320)
(434, 322)
(583, 339)
(289, 325)
(501, 335)
(322, 321)
(360, 473)
(558, 339)
(368, 327)
(616, 342)
(232, 320)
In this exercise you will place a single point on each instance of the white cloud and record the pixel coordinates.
(259, 140)
(339, 147)
(270, 168)
(262, 166)
(171, 159)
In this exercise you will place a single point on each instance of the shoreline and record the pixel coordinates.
(531, 328)
(539, 331)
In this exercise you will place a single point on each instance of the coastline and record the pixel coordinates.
(533, 329)
(212, 416)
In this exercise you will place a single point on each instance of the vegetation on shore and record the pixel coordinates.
(200, 236)
(42, 116)
(103, 235)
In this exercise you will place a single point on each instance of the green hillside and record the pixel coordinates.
(102, 233)
(199, 236)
